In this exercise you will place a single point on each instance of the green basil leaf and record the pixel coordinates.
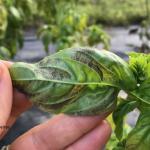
(100, 100)
(118, 69)
(76, 81)
(139, 138)
(124, 107)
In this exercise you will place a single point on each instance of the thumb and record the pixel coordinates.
(5, 97)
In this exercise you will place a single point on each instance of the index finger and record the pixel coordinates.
(5, 97)
(7, 63)
(20, 102)
(57, 133)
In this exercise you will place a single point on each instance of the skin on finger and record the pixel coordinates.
(5, 96)
(94, 140)
(57, 133)
(20, 105)
(20, 102)
(7, 63)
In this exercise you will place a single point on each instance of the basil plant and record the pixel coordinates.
(86, 81)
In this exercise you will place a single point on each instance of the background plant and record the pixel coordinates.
(64, 23)
(18, 13)
(144, 33)
(114, 12)
(71, 29)
(58, 22)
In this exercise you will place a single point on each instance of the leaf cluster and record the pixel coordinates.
(56, 22)
(139, 137)
(86, 81)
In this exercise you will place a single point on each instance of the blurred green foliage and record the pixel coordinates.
(96, 34)
(4, 53)
(144, 34)
(114, 12)
(71, 29)
(18, 13)
(3, 19)
(58, 22)
(65, 23)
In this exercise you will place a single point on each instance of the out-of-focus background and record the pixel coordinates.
(32, 29)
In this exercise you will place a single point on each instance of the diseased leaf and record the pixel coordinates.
(107, 62)
(85, 81)
(79, 81)
(139, 138)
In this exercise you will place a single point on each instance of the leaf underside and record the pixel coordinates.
(80, 81)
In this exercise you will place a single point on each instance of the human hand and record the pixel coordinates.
(60, 132)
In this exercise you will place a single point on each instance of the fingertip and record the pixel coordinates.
(6, 63)
(2, 67)
(105, 131)
(4, 75)
(5, 96)
(107, 126)
(96, 139)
